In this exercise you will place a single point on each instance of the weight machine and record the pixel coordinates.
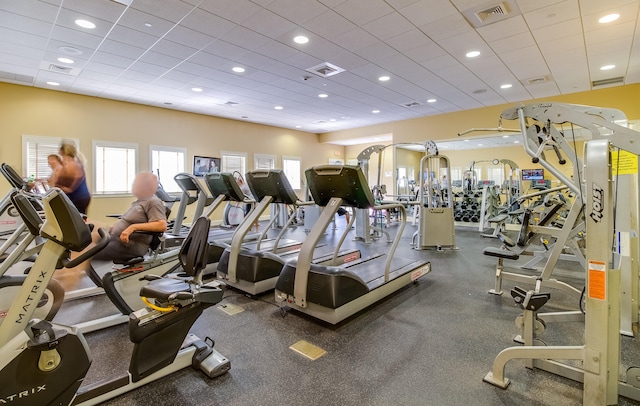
(607, 257)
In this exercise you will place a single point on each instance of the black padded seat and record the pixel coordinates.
(216, 249)
(163, 288)
(129, 262)
(253, 266)
(328, 286)
(500, 253)
(499, 218)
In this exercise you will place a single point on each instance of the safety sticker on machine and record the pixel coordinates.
(597, 288)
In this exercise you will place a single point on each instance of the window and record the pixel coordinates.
(292, 169)
(234, 161)
(115, 166)
(166, 162)
(262, 161)
(496, 175)
(35, 151)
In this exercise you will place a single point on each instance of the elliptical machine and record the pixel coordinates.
(45, 363)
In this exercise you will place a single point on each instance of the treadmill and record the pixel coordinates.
(254, 267)
(333, 293)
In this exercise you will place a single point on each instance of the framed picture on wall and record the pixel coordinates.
(205, 164)
(336, 161)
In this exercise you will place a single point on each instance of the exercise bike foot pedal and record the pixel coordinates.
(488, 378)
(496, 292)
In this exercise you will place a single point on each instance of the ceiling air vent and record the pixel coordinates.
(496, 10)
(325, 69)
(411, 104)
(231, 103)
(60, 69)
(536, 80)
(610, 81)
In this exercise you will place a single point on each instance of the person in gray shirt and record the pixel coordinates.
(147, 213)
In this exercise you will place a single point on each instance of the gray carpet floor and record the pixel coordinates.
(431, 343)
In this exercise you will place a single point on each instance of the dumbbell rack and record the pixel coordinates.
(467, 206)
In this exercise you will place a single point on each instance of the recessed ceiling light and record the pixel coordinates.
(384, 78)
(466, 140)
(505, 136)
(506, 86)
(168, 104)
(609, 18)
(479, 145)
(53, 83)
(607, 67)
(323, 95)
(479, 91)
(516, 142)
(332, 119)
(472, 54)
(65, 60)
(148, 25)
(345, 117)
(85, 24)
(431, 100)
(196, 89)
(70, 50)
(237, 69)
(278, 107)
(298, 126)
(244, 117)
(375, 111)
(301, 39)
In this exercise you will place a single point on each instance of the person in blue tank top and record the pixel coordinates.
(72, 179)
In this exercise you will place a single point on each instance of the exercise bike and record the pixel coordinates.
(45, 363)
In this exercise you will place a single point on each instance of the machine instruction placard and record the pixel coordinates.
(597, 288)
(624, 163)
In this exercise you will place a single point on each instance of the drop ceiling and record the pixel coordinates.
(155, 52)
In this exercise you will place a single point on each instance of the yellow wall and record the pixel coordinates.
(32, 111)
(446, 126)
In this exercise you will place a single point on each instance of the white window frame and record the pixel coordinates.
(114, 144)
(300, 177)
(223, 159)
(26, 139)
(173, 188)
(258, 157)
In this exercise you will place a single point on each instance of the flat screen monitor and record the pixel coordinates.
(532, 174)
(205, 164)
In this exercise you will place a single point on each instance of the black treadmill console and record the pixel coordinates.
(343, 181)
(27, 212)
(223, 183)
(63, 223)
(271, 182)
(189, 185)
(12, 176)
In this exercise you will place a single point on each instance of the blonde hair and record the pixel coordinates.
(68, 148)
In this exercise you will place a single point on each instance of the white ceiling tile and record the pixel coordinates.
(22, 38)
(188, 37)
(440, 62)
(388, 26)
(245, 38)
(329, 25)
(27, 52)
(628, 13)
(67, 18)
(570, 28)
(20, 61)
(376, 51)
(355, 39)
(526, 6)
(459, 45)
(423, 12)
(268, 24)
(170, 10)
(332, 3)
(563, 44)
(425, 52)
(621, 33)
(598, 6)
(236, 11)
(124, 50)
(541, 90)
(297, 11)
(158, 59)
(100, 72)
(30, 8)
(276, 50)
(104, 10)
(554, 14)
(408, 40)
(132, 37)
(362, 12)
(75, 38)
(136, 20)
(174, 49)
(19, 23)
(514, 43)
(446, 27)
(503, 29)
(527, 69)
